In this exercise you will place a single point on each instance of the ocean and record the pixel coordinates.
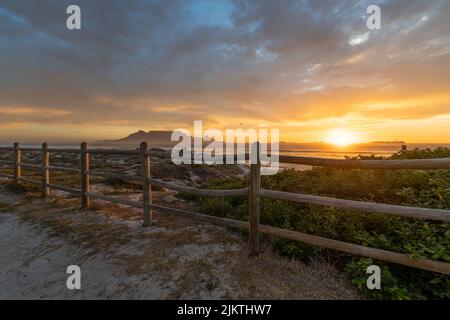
(319, 150)
(366, 149)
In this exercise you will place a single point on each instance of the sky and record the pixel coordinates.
(308, 68)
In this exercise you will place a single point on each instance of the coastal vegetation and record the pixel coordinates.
(418, 238)
(418, 188)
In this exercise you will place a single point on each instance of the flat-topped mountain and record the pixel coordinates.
(154, 138)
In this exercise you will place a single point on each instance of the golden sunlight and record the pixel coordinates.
(341, 137)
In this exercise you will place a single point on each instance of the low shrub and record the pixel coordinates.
(418, 238)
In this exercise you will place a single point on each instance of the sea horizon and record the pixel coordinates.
(305, 149)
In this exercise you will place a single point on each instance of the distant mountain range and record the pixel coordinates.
(154, 138)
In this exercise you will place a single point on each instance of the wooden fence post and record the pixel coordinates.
(45, 170)
(85, 186)
(146, 186)
(253, 202)
(17, 159)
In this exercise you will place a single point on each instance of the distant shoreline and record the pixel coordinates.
(319, 150)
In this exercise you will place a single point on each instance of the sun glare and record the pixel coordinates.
(341, 137)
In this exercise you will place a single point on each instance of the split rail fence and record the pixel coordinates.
(254, 194)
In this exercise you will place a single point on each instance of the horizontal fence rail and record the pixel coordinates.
(60, 168)
(6, 176)
(135, 204)
(254, 193)
(126, 177)
(29, 180)
(65, 189)
(57, 150)
(30, 165)
(411, 212)
(394, 257)
(425, 164)
(200, 192)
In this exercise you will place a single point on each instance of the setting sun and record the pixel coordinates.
(341, 137)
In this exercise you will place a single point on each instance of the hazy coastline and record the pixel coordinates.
(320, 150)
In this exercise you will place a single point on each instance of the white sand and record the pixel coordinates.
(34, 267)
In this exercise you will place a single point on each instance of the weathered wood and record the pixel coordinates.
(116, 152)
(126, 177)
(122, 152)
(30, 165)
(85, 185)
(135, 204)
(17, 159)
(59, 168)
(31, 149)
(200, 192)
(394, 257)
(45, 170)
(160, 154)
(384, 255)
(146, 186)
(29, 180)
(65, 189)
(442, 163)
(203, 217)
(7, 176)
(6, 162)
(412, 212)
(253, 203)
(57, 150)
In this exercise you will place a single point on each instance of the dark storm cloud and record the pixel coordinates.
(134, 61)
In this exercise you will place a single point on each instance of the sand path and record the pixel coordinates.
(120, 259)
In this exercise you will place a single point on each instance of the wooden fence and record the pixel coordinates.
(254, 194)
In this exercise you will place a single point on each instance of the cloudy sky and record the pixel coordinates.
(305, 67)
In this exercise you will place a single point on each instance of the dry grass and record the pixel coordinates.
(22, 188)
(270, 276)
(154, 256)
(195, 275)
(114, 211)
(190, 260)
(62, 219)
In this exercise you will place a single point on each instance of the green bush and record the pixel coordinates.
(418, 238)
